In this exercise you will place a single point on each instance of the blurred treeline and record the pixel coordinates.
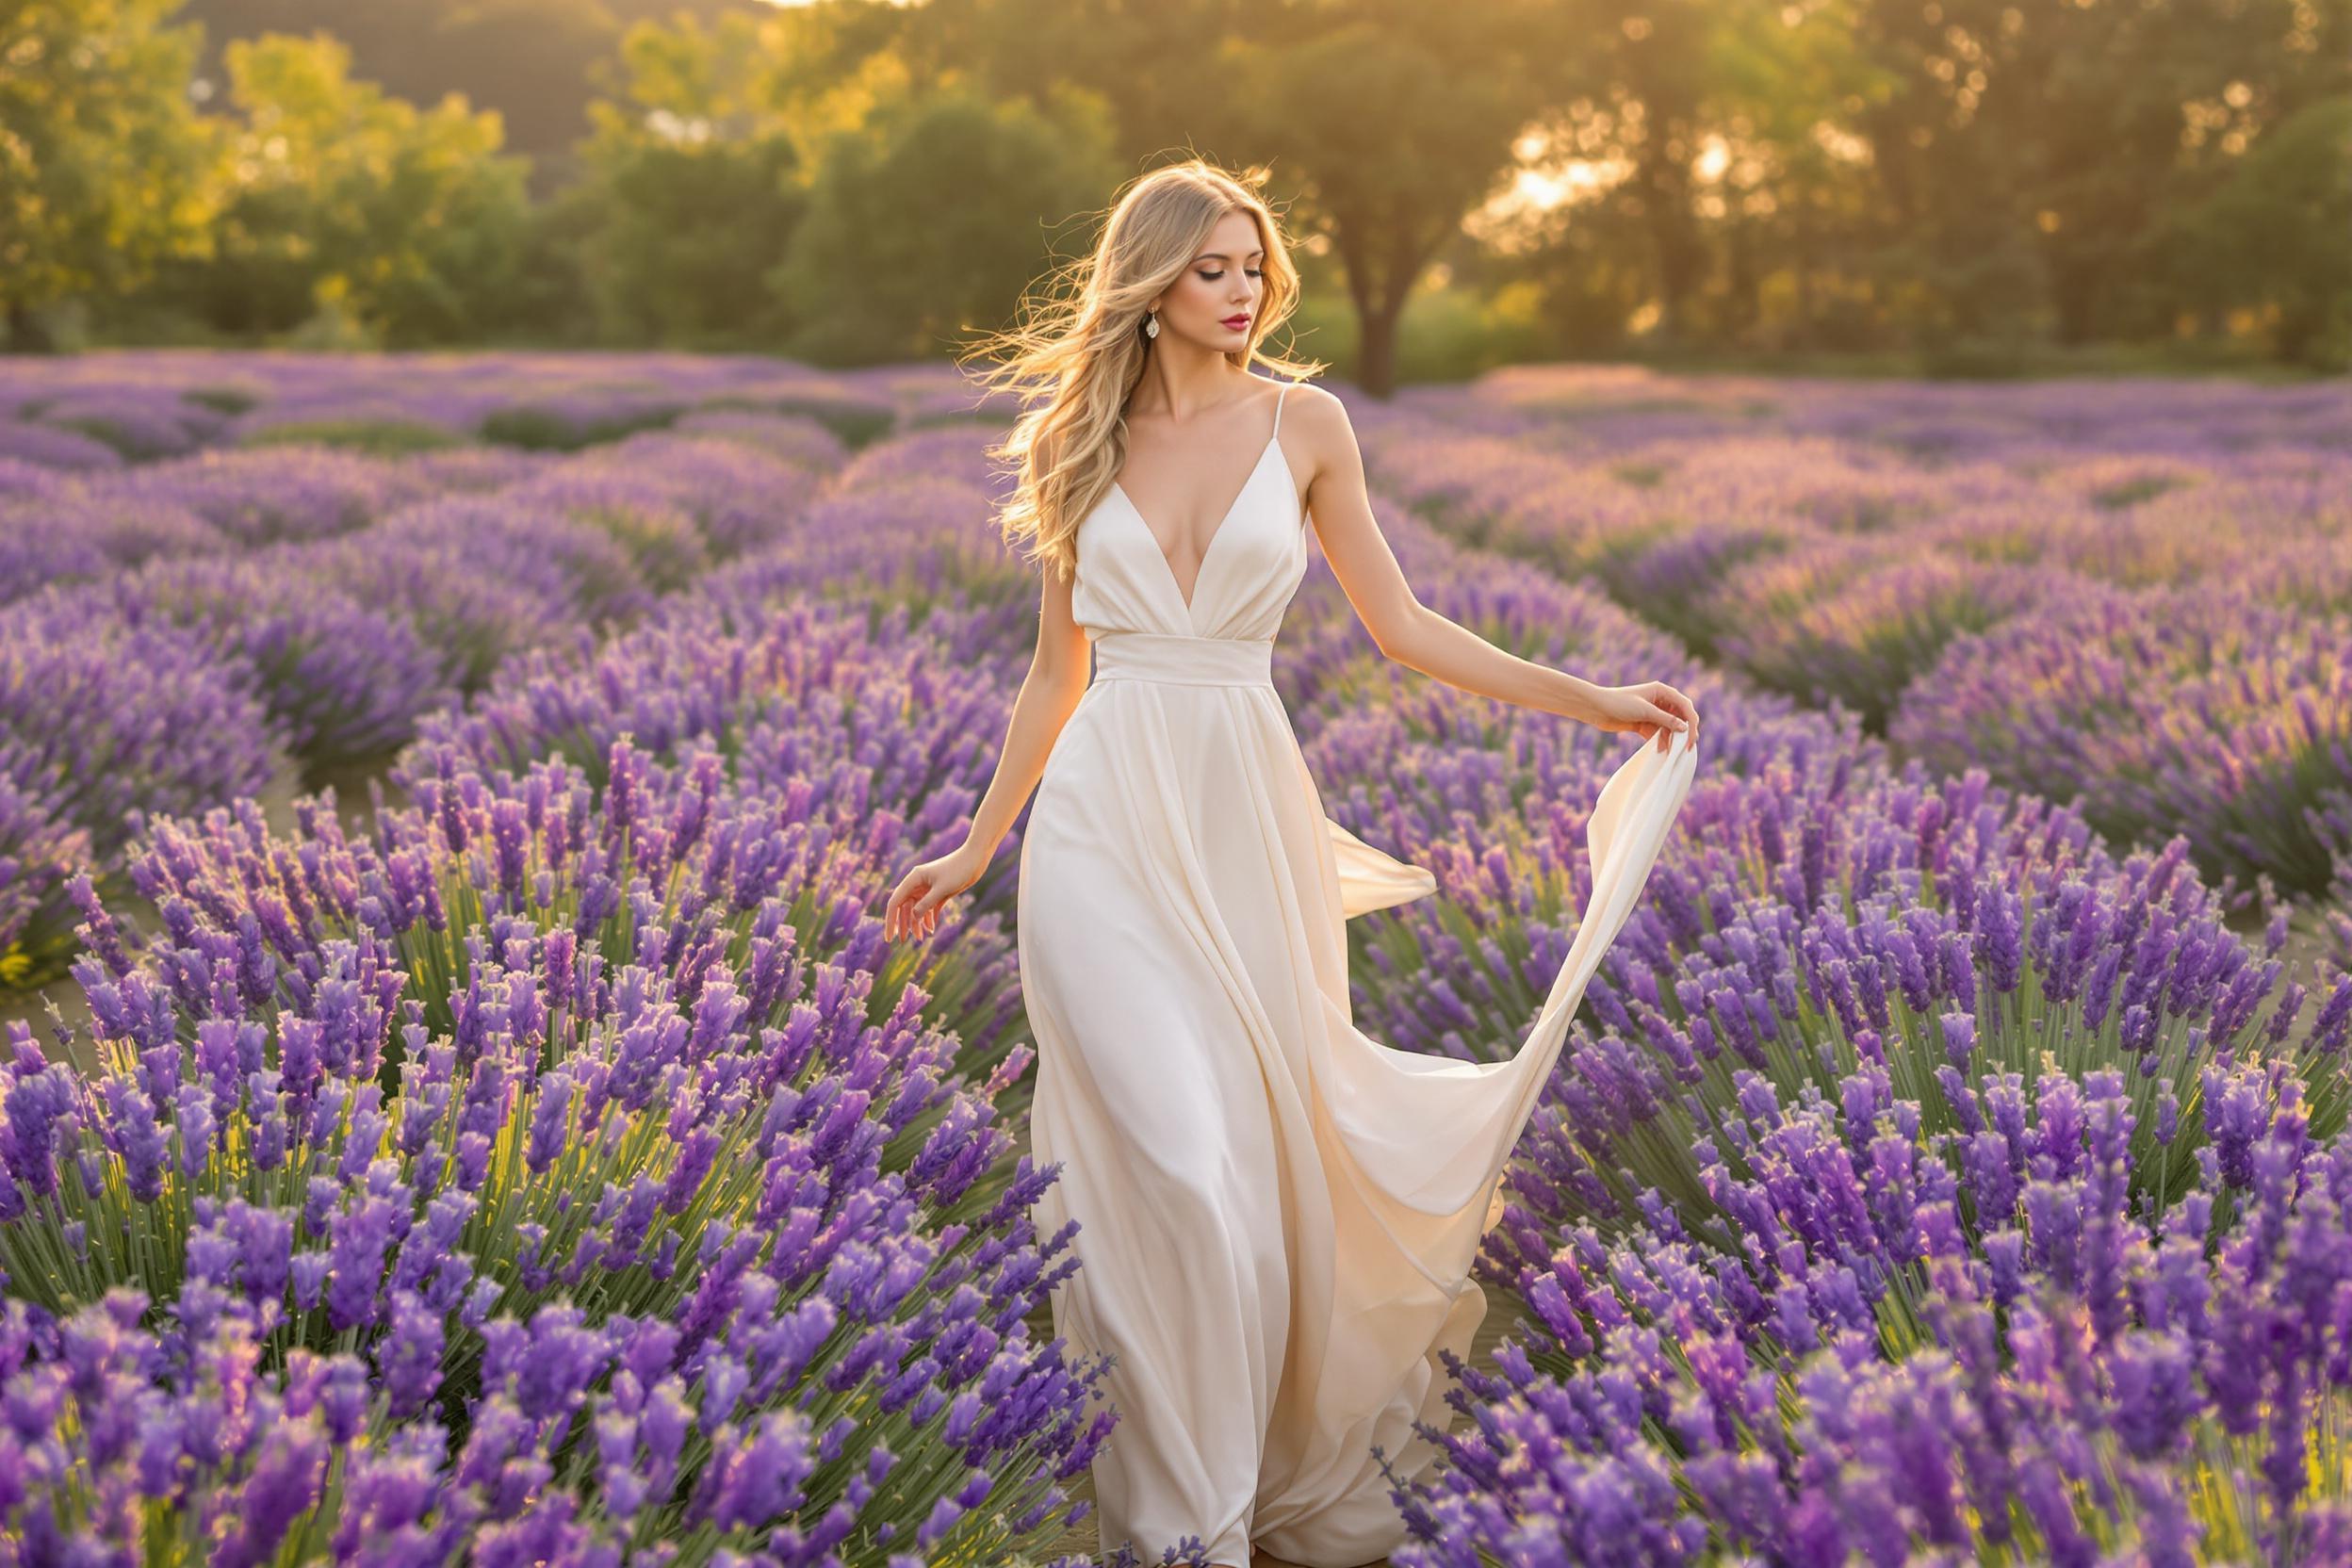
(1951, 185)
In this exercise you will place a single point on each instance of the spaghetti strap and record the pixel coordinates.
(1278, 407)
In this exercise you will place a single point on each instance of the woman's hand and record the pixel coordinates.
(915, 901)
(1652, 709)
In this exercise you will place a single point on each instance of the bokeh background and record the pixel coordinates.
(1940, 186)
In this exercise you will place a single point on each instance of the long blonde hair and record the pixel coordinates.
(1082, 352)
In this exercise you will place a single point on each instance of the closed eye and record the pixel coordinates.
(1212, 277)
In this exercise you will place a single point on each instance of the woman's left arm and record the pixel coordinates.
(1404, 629)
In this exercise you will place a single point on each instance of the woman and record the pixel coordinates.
(1277, 1213)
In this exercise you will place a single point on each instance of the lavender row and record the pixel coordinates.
(1982, 1343)
(1842, 974)
(103, 721)
(2162, 635)
(344, 623)
(1812, 899)
(99, 412)
(656, 1109)
(650, 976)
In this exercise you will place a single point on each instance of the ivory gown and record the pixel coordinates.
(1278, 1213)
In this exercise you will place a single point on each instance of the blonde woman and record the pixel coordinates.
(1277, 1213)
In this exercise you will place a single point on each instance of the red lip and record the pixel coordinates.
(1236, 321)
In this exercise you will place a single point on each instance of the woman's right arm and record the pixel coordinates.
(1057, 678)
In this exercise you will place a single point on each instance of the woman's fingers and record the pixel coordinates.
(896, 917)
(914, 907)
(1678, 707)
(1674, 712)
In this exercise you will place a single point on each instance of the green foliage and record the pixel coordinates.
(101, 156)
(693, 186)
(688, 233)
(922, 223)
(539, 428)
(533, 62)
(378, 438)
(353, 214)
(1454, 335)
(1962, 189)
(2276, 234)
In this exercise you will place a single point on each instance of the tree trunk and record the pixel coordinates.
(28, 333)
(1801, 269)
(1744, 301)
(1376, 367)
(1679, 255)
(2296, 338)
(2074, 289)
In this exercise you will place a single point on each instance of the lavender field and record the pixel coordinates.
(458, 1100)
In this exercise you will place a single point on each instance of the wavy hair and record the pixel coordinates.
(1076, 358)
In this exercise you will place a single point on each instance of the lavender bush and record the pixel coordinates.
(74, 536)
(275, 493)
(137, 421)
(664, 547)
(53, 450)
(1865, 635)
(866, 736)
(343, 680)
(39, 850)
(741, 494)
(102, 721)
(1962, 1346)
(478, 580)
(1820, 922)
(790, 1239)
(2197, 711)
(1839, 556)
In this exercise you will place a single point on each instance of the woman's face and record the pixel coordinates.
(1214, 302)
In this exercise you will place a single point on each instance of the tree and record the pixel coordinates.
(530, 60)
(2071, 133)
(1394, 123)
(103, 160)
(407, 220)
(923, 223)
(2276, 236)
(695, 181)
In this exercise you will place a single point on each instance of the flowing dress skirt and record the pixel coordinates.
(1278, 1213)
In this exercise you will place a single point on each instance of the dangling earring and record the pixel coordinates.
(1151, 323)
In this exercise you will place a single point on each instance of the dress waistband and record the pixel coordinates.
(1183, 661)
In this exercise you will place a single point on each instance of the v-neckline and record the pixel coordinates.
(1167, 570)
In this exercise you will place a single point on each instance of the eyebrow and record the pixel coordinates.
(1220, 255)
